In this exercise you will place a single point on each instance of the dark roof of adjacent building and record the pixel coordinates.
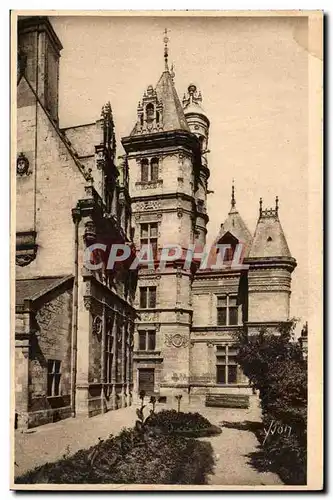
(33, 289)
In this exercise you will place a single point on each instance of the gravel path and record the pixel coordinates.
(50, 442)
(233, 447)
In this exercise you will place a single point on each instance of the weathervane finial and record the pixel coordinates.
(166, 52)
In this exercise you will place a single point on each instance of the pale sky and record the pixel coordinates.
(253, 75)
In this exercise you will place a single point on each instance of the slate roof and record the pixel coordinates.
(235, 225)
(32, 289)
(269, 239)
(173, 114)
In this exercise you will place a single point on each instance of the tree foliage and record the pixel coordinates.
(275, 366)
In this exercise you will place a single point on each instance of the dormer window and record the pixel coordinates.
(150, 111)
(229, 240)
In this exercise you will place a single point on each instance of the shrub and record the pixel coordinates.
(275, 366)
(131, 457)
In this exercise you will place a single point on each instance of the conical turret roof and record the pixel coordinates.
(172, 110)
(269, 239)
(173, 114)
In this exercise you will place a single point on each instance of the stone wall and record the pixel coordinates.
(51, 342)
(45, 197)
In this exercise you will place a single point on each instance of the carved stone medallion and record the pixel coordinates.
(22, 165)
(176, 340)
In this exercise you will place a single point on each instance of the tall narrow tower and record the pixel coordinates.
(199, 124)
(165, 165)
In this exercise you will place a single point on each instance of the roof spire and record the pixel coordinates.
(233, 201)
(276, 205)
(166, 52)
(260, 207)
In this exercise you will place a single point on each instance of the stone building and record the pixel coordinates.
(88, 339)
(74, 326)
(187, 316)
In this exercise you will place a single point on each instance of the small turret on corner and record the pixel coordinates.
(269, 276)
(198, 123)
(196, 116)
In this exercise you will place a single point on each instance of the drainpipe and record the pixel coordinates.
(103, 358)
(76, 219)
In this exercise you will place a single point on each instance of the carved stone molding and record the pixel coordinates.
(97, 326)
(88, 287)
(26, 248)
(176, 340)
(148, 317)
(100, 158)
(90, 232)
(149, 184)
(87, 301)
(25, 259)
(25, 351)
(151, 281)
(147, 205)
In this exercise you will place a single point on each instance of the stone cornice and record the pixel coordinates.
(147, 356)
(214, 275)
(164, 196)
(263, 324)
(91, 279)
(288, 263)
(216, 328)
(161, 140)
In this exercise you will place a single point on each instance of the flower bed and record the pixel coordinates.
(185, 424)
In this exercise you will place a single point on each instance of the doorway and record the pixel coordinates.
(147, 380)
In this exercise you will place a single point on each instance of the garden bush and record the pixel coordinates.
(133, 456)
(275, 366)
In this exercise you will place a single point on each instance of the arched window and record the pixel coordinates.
(144, 170)
(150, 111)
(157, 117)
(141, 120)
(154, 169)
